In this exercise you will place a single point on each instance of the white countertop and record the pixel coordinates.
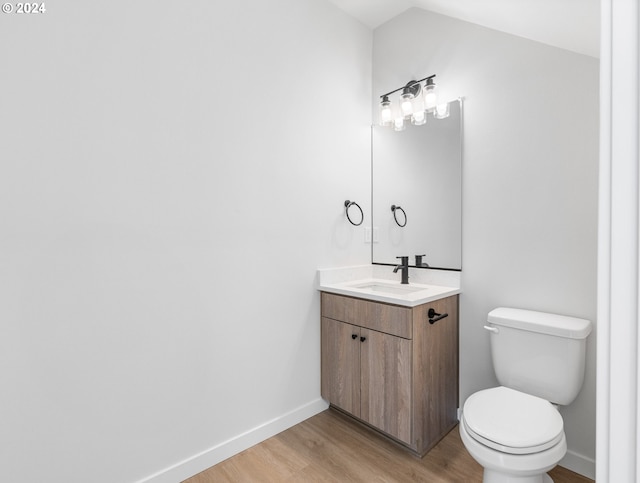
(373, 282)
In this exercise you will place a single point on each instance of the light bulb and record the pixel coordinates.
(430, 95)
(385, 111)
(406, 104)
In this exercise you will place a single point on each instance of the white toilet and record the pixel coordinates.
(515, 431)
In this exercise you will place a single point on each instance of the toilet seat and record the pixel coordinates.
(511, 421)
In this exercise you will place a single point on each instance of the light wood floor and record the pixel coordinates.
(330, 447)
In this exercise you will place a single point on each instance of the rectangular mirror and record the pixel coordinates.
(418, 171)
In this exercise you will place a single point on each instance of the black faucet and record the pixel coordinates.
(405, 269)
(420, 263)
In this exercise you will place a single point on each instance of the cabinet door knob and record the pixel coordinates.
(362, 339)
(354, 336)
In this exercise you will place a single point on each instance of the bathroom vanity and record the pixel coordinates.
(386, 364)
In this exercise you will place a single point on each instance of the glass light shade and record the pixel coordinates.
(430, 95)
(419, 118)
(442, 111)
(385, 112)
(406, 104)
(398, 124)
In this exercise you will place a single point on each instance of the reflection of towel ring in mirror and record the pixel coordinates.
(348, 204)
(395, 210)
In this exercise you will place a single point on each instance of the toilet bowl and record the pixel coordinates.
(516, 437)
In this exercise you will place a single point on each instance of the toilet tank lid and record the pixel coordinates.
(552, 324)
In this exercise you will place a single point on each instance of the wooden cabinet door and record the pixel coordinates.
(340, 377)
(435, 372)
(442, 350)
(386, 383)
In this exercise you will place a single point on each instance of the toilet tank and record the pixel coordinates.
(538, 353)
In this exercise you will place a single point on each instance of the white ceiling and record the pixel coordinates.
(569, 24)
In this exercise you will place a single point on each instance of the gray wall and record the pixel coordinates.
(529, 181)
(171, 177)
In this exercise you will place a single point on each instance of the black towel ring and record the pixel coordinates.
(395, 210)
(348, 204)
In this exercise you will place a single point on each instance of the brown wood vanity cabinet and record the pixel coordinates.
(389, 367)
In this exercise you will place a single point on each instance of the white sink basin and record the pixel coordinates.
(393, 289)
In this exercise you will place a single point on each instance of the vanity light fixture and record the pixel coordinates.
(414, 103)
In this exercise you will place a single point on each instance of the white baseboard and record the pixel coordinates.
(579, 464)
(200, 462)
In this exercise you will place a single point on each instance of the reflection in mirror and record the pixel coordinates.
(419, 169)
